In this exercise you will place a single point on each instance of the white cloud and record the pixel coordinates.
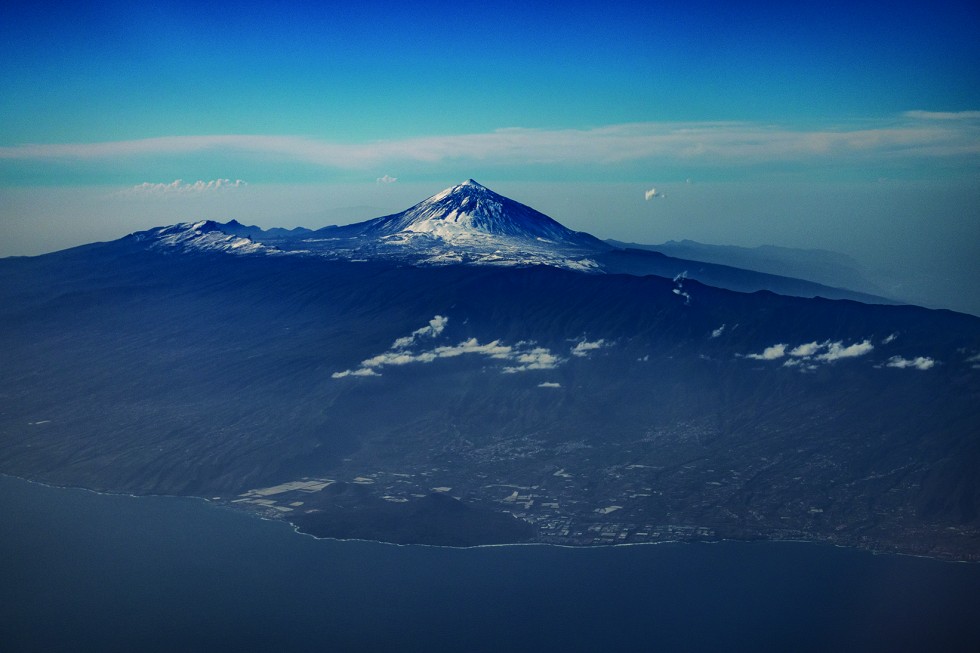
(538, 358)
(805, 351)
(831, 350)
(179, 187)
(403, 342)
(770, 353)
(387, 180)
(549, 384)
(363, 371)
(435, 328)
(805, 356)
(717, 332)
(583, 348)
(679, 280)
(492, 349)
(650, 194)
(919, 362)
(942, 115)
(800, 363)
(525, 355)
(915, 135)
(836, 350)
(890, 339)
(397, 358)
(437, 324)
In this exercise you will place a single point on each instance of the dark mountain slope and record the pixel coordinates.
(206, 374)
(820, 266)
(643, 262)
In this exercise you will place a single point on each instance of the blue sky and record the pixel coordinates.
(311, 104)
(388, 71)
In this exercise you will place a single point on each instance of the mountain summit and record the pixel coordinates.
(469, 223)
(470, 210)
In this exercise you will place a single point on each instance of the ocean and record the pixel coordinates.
(81, 571)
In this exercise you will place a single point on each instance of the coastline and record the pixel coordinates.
(227, 505)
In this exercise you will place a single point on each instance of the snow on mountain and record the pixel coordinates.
(204, 235)
(470, 211)
(468, 223)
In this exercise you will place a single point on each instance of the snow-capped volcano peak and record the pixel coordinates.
(471, 183)
(470, 211)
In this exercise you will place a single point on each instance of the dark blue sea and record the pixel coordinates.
(86, 572)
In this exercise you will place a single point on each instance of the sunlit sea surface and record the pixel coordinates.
(81, 571)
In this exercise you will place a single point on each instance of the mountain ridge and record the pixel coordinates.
(825, 267)
(470, 224)
(471, 207)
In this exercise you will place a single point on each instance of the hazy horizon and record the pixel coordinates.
(903, 241)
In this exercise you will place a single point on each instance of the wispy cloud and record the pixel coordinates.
(837, 350)
(679, 290)
(805, 350)
(810, 352)
(769, 353)
(916, 134)
(582, 348)
(180, 187)
(717, 332)
(549, 384)
(538, 358)
(919, 362)
(801, 363)
(522, 356)
(492, 349)
(943, 115)
(433, 329)
(396, 358)
(387, 179)
(362, 371)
